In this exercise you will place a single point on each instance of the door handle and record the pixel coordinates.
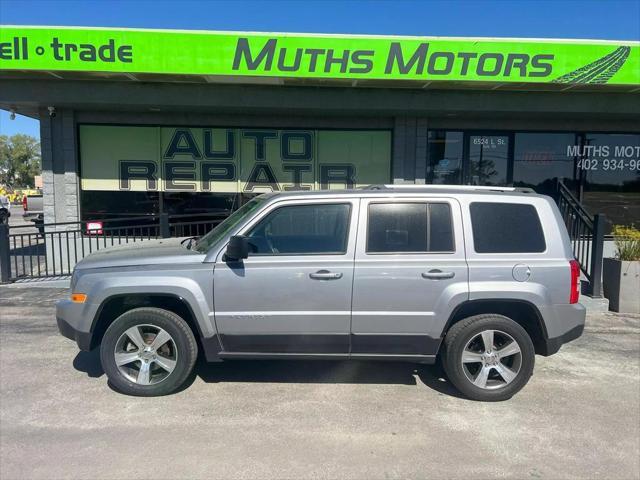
(325, 275)
(438, 275)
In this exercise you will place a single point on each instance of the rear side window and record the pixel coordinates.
(409, 228)
(506, 228)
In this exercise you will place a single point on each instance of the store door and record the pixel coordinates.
(489, 159)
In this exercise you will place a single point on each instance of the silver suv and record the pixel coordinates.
(480, 278)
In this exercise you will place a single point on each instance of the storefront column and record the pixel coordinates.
(409, 150)
(59, 166)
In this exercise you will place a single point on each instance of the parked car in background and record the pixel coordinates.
(5, 209)
(480, 278)
(32, 206)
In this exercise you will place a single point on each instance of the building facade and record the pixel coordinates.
(137, 122)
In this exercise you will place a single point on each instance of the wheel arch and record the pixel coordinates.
(115, 305)
(524, 313)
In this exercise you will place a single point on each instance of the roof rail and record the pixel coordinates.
(447, 187)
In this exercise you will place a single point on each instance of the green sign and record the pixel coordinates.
(223, 160)
(318, 56)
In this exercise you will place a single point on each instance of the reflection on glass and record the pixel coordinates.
(541, 158)
(610, 166)
(488, 159)
(444, 161)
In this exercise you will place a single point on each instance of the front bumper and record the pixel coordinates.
(68, 316)
(83, 339)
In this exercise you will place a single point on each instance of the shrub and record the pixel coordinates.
(627, 240)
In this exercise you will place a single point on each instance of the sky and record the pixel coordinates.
(584, 19)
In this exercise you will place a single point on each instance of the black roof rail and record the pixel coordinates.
(447, 187)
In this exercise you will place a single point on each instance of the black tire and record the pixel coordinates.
(463, 332)
(183, 339)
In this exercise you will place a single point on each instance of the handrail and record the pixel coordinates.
(570, 197)
(586, 234)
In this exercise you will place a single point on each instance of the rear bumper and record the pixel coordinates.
(566, 324)
(552, 345)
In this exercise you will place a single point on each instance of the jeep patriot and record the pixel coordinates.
(479, 278)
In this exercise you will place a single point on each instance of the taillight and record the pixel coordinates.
(24, 203)
(575, 281)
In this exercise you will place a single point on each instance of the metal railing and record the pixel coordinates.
(587, 237)
(53, 249)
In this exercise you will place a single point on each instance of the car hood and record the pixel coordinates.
(149, 252)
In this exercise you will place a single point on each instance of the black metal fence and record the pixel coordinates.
(587, 237)
(53, 249)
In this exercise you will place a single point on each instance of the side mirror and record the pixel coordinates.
(238, 248)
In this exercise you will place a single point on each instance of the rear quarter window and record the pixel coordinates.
(506, 228)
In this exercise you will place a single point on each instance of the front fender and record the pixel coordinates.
(194, 286)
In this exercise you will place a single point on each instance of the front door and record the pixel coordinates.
(488, 159)
(410, 270)
(293, 293)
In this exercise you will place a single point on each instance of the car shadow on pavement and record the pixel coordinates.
(89, 363)
(300, 371)
(320, 371)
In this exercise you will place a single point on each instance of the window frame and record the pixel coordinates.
(397, 201)
(265, 214)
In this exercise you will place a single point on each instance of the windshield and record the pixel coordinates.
(211, 238)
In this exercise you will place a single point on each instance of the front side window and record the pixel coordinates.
(506, 228)
(409, 228)
(302, 230)
(233, 220)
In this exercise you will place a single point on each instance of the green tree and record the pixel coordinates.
(19, 160)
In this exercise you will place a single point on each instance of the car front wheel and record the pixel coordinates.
(488, 357)
(148, 352)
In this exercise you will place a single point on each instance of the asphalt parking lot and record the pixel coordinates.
(579, 417)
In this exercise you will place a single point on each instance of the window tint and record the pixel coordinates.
(409, 227)
(506, 228)
(302, 229)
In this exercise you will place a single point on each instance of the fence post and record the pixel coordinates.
(165, 231)
(5, 258)
(597, 252)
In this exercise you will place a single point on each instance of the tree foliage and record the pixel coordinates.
(19, 160)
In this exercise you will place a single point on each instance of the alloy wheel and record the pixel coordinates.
(491, 359)
(146, 354)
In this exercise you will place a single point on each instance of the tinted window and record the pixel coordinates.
(444, 157)
(302, 229)
(506, 228)
(409, 227)
(488, 159)
(610, 168)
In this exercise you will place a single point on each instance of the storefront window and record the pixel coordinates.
(97, 204)
(541, 158)
(444, 161)
(189, 203)
(488, 159)
(609, 165)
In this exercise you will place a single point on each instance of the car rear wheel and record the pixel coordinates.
(488, 357)
(148, 352)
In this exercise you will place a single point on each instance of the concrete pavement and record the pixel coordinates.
(579, 417)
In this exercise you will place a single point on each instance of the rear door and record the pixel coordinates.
(293, 293)
(410, 270)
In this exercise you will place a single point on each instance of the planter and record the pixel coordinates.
(621, 284)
